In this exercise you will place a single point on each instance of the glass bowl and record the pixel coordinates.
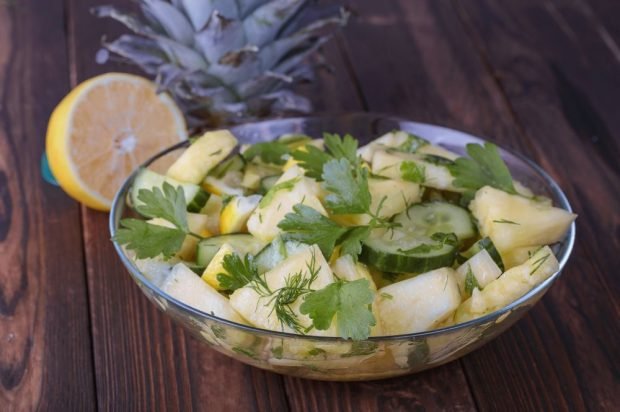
(330, 358)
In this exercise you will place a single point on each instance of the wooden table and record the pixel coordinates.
(539, 77)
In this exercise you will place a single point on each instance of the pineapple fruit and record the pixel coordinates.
(225, 61)
(183, 285)
(513, 284)
(419, 303)
(513, 221)
(291, 189)
(259, 310)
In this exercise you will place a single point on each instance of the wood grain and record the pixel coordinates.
(446, 79)
(553, 87)
(45, 347)
(540, 77)
(128, 330)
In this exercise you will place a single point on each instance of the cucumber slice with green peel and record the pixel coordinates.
(276, 252)
(195, 197)
(198, 201)
(243, 243)
(268, 182)
(486, 244)
(234, 163)
(437, 217)
(409, 253)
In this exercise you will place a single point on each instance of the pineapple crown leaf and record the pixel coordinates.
(228, 59)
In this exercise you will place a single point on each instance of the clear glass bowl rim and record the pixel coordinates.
(119, 204)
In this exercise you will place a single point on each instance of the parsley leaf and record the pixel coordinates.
(349, 302)
(240, 272)
(485, 167)
(149, 240)
(269, 152)
(311, 159)
(412, 172)
(412, 144)
(342, 148)
(348, 186)
(471, 282)
(168, 204)
(351, 242)
(308, 226)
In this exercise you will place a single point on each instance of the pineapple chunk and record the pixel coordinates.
(202, 156)
(216, 266)
(513, 284)
(393, 195)
(482, 266)
(512, 221)
(235, 215)
(155, 269)
(391, 139)
(184, 285)
(212, 209)
(518, 256)
(259, 310)
(419, 303)
(346, 268)
(255, 172)
(291, 189)
(227, 185)
(388, 164)
(197, 223)
(438, 151)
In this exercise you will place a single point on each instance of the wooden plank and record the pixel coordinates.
(441, 79)
(386, 64)
(558, 87)
(142, 360)
(168, 369)
(45, 355)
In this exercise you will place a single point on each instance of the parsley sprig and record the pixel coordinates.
(346, 180)
(484, 167)
(347, 302)
(149, 240)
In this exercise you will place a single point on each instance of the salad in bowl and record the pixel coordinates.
(332, 259)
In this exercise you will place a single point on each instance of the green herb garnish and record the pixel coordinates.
(240, 272)
(484, 167)
(471, 282)
(149, 240)
(412, 172)
(509, 222)
(348, 302)
(268, 152)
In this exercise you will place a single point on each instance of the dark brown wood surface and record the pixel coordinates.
(540, 77)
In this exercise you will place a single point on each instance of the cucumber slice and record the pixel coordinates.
(407, 253)
(235, 163)
(433, 217)
(195, 197)
(268, 182)
(483, 244)
(276, 252)
(243, 243)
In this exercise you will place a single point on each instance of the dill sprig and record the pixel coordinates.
(295, 286)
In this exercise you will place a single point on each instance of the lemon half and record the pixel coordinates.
(105, 128)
